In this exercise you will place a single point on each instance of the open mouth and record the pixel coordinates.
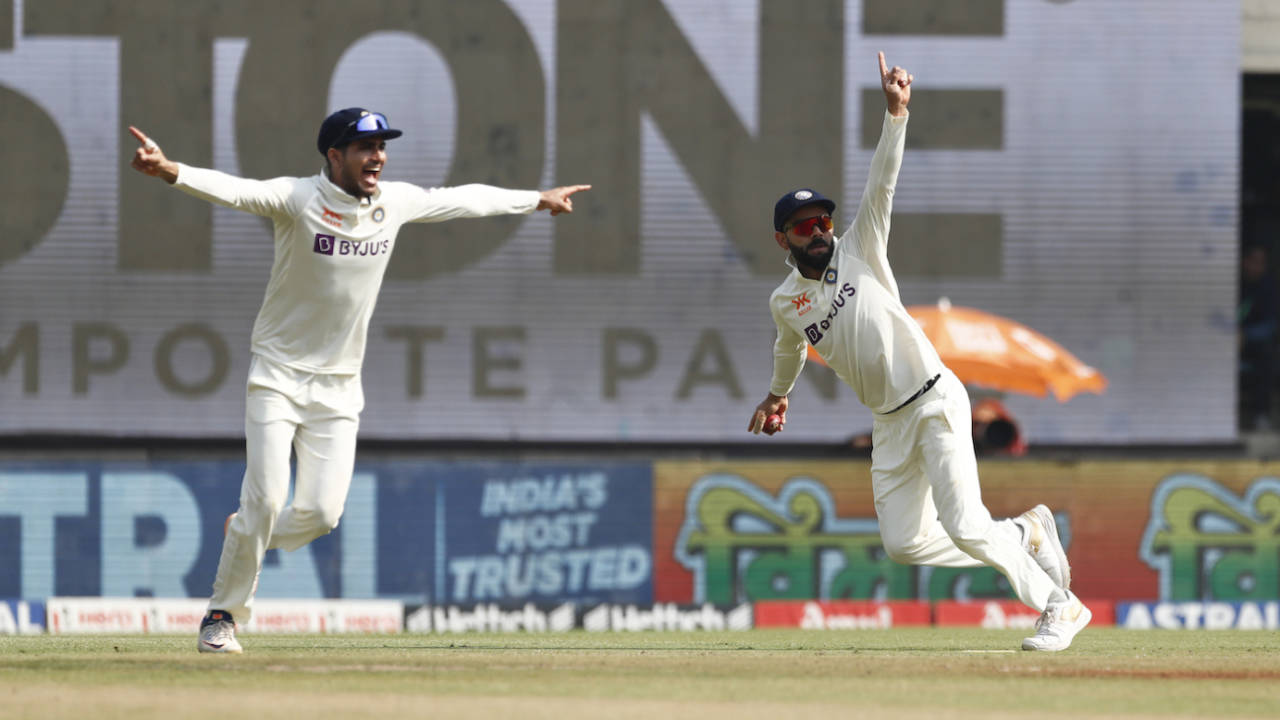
(371, 174)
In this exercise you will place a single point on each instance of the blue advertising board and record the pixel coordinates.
(420, 531)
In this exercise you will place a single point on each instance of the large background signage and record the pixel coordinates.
(437, 532)
(506, 535)
(1175, 531)
(125, 307)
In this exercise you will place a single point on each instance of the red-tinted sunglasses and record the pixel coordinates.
(805, 227)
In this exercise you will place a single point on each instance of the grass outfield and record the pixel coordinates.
(903, 673)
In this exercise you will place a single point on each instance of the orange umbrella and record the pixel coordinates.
(998, 353)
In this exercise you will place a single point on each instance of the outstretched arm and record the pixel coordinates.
(426, 205)
(267, 198)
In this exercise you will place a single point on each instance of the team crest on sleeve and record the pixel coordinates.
(830, 277)
(379, 213)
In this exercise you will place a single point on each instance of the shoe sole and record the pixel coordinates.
(218, 651)
(1050, 528)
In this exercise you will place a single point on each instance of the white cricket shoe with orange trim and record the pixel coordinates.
(1058, 625)
(218, 634)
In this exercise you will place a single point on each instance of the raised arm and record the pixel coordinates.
(871, 226)
(260, 197)
(897, 87)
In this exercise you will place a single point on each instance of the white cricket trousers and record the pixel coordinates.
(924, 476)
(316, 416)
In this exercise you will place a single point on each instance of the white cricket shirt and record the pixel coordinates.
(853, 315)
(331, 251)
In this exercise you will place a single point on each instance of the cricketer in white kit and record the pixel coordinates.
(334, 233)
(841, 298)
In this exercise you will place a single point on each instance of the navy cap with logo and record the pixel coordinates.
(795, 200)
(351, 124)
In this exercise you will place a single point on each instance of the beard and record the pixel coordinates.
(815, 260)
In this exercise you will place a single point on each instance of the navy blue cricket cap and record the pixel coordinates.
(795, 200)
(350, 124)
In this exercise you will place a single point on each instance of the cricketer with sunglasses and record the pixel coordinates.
(841, 298)
(334, 233)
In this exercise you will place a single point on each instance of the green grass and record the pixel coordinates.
(908, 673)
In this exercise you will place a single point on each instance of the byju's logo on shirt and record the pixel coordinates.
(329, 245)
(324, 244)
(815, 332)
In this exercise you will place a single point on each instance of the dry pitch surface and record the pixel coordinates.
(915, 673)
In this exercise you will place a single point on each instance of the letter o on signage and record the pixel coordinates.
(33, 204)
(193, 332)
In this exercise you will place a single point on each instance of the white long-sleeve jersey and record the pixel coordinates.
(853, 315)
(331, 251)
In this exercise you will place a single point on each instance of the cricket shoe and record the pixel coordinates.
(1058, 625)
(1040, 539)
(218, 633)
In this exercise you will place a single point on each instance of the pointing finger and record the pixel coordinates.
(142, 138)
(884, 69)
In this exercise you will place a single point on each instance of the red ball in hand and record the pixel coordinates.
(772, 424)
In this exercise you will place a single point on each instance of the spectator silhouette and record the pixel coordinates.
(1257, 318)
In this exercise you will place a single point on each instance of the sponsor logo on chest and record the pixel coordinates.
(814, 332)
(335, 246)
